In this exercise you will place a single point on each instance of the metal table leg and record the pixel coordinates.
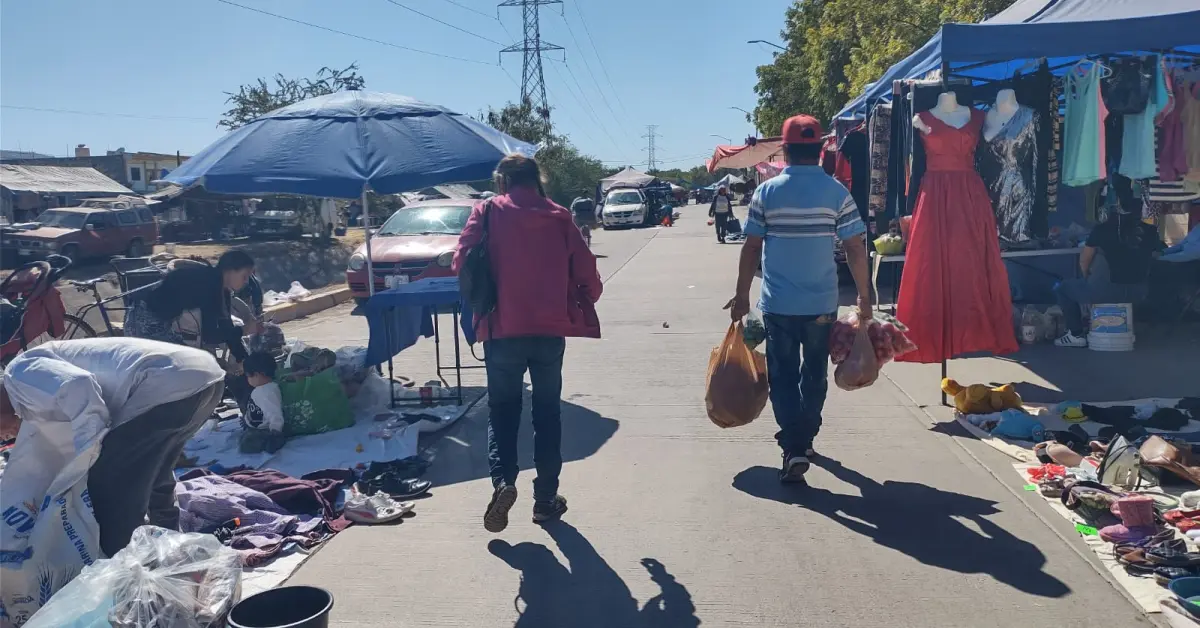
(457, 354)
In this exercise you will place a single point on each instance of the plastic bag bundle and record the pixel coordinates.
(736, 391)
(860, 368)
(886, 335)
(162, 578)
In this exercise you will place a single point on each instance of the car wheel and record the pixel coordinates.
(70, 251)
(137, 248)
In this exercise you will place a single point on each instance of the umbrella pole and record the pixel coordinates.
(367, 232)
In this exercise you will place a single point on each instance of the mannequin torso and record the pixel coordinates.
(947, 110)
(999, 115)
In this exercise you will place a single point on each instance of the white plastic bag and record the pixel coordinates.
(297, 292)
(162, 578)
(861, 368)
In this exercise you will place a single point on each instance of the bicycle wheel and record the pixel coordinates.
(75, 327)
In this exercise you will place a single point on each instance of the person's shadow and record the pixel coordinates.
(919, 521)
(588, 593)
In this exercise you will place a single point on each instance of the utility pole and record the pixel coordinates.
(533, 85)
(651, 162)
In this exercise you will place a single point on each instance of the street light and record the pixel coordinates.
(760, 41)
(727, 140)
(742, 110)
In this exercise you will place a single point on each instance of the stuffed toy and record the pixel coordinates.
(981, 398)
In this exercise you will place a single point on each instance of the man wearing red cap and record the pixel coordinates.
(794, 218)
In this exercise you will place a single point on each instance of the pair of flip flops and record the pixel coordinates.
(375, 509)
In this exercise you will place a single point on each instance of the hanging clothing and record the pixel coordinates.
(881, 139)
(1008, 165)
(954, 293)
(1189, 118)
(1137, 144)
(1172, 154)
(1083, 144)
(854, 148)
(1053, 150)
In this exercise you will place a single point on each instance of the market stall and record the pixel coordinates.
(996, 147)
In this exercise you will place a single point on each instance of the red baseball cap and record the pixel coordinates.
(802, 129)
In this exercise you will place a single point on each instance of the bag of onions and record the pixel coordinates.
(887, 336)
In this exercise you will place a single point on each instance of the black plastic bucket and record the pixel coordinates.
(285, 607)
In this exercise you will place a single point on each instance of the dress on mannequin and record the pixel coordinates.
(954, 294)
(1007, 162)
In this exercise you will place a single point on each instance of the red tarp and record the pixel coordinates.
(737, 157)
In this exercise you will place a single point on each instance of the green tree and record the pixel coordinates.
(261, 97)
(836, 47)
(568, 172)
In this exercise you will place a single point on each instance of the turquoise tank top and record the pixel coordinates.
(1083, 135)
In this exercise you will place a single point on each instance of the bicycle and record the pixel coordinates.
(146, 275)
(32, 310)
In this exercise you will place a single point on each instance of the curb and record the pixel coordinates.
(307, 306)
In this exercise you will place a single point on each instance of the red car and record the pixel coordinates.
(99, 227)
(417, 242)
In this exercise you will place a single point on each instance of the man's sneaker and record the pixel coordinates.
(547, 511)
(794, 468)
(495, 519)
(1071, 340)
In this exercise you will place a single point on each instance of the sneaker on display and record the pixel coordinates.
(1071, 340)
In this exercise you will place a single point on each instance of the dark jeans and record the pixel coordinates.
(134, 476)
(1072, 293)
(798, 373)
(507, 360)
(720, 220)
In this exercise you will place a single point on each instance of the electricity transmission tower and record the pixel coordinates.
(533, 85)
(651, 162)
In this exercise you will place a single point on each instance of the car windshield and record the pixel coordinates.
(427, 220)
(65, 220)
(624, 198)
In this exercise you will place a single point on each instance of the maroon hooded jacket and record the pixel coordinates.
(545, 273)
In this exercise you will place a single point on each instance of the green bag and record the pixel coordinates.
(315, 404)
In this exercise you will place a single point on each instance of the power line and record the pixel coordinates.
(463, 6)
(587, 108)
(588, 31)
(650, 136)
(444, 23)
(588, 67)
(360, 37)
(533, 81)
(105, 113)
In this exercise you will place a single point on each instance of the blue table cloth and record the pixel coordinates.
(399, 316)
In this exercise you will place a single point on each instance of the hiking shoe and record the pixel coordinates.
(495, 519)
(794, 468)
(547, 511)
(1071, 340)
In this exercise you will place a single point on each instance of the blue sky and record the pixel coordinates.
(164, 66)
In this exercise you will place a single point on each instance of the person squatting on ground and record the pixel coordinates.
(262, 420)
(720, 210)
(794, 218)
(151, 396)
(547, 286)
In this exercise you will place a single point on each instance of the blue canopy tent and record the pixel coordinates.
(343, 144)
(1058, 30)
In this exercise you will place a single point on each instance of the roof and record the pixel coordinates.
(144, 156)
(58, 180)
(23, 154)
(1059, 30)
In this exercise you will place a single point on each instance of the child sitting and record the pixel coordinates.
(262, 420)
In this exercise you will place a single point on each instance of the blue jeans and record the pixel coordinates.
(798, 372)
(507, 359)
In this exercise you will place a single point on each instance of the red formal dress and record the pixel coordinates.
(954, 295)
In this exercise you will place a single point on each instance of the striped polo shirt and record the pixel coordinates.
(798, 214)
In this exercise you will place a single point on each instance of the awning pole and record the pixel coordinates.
(367, 231)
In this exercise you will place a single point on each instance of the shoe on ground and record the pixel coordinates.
(397, 487)
(495, 518)
(794, 468)
(375, 509)
(552, 510)
(1071, 340)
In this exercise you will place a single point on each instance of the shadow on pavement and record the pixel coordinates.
(587, 591)
(919, 521)
(460, 454)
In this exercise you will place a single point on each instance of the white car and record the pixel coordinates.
(624, 208)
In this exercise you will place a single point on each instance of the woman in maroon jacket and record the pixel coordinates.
(547, 286)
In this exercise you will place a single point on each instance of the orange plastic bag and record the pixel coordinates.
(736, 392)
(861, 368)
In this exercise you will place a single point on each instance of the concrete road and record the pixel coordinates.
(675, 522)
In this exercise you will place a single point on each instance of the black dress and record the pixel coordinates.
(1008, 165)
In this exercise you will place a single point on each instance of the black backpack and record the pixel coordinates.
(476, 282)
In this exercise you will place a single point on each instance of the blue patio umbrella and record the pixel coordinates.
(343, 144)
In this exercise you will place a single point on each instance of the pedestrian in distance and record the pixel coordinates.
(547, 286)
(720, 210)
(794, 218)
